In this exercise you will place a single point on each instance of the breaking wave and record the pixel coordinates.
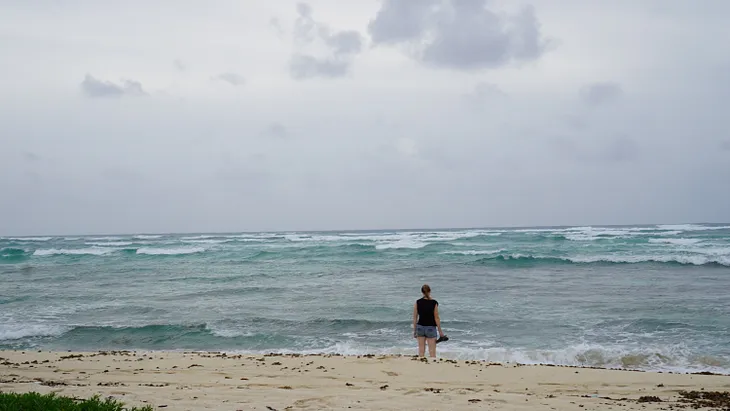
(170, 251)
(698, 260)
(80, 251)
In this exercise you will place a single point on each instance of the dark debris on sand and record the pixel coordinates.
(715, 400)
(649, 398)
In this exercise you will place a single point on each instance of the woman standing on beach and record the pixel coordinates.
(426, 322)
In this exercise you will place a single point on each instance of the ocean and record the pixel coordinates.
(636, 297)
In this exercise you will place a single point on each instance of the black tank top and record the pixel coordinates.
(425, 312)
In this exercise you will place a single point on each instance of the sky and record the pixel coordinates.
(227, 115)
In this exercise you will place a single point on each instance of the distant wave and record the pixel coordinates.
(402, 244)
(112, 244)
(475, 252)
(692, 227)
(80, 251)
(400, 239)
(698, 260)
(208, 241)
(147, 237)
(170, 251)
(31, 239)
(676, 241)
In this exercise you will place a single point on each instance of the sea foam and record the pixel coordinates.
(79, 251)
(170, 251)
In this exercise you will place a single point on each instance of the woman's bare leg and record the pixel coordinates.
(432, 347)
(421, 346)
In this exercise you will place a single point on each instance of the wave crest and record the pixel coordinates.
(79, 251)
(170, 251)
(698, 260)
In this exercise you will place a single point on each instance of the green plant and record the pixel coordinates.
(51, 402)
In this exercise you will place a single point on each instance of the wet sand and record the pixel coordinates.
(216, 381)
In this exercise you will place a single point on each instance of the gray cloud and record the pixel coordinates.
(725, 145)
(601, 93)
(121, 174)
(302, 66)
(275, 25)
(620, 149)
(601, 150)
(179, 65)
(341, 48)
(31, 157)
(233, 79)
(483, 93)
(344, 43)
(276, 130)
(458, 34)
(93, 87)
(402, 20)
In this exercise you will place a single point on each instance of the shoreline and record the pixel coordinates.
(267, 354)
(193, 380)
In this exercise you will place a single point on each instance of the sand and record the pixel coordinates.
(215, 381)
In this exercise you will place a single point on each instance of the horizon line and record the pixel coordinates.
(507, 227)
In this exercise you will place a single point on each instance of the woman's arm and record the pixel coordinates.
(438, 319)
(415, 318)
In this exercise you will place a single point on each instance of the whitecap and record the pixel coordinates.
(170, 251)
(209, 241)
(17, 331)
(406, 243)
(675, 241)
(474, 252)
(691, 227)
(77, 251)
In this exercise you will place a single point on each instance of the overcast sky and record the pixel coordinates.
(229, 115)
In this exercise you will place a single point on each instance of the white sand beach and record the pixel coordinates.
(219, 381)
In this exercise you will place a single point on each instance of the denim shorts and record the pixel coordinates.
(427, 331)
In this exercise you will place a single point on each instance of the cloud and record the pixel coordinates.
(121, 174)
(483, 93)
(344, 43)
(339, 48)
(620, 149)
(302, 66)
(458, 34)
(94, 88)
(31, 157)
(600, 93)
(276, 130)
(598, 150)
(725, 145)
(179, 65)
(231, 78)
(275, 25)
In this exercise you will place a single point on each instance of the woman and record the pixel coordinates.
(426, 322)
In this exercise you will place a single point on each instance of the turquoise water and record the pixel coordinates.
(645, 297)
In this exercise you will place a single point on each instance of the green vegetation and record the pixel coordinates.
(51, 402)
